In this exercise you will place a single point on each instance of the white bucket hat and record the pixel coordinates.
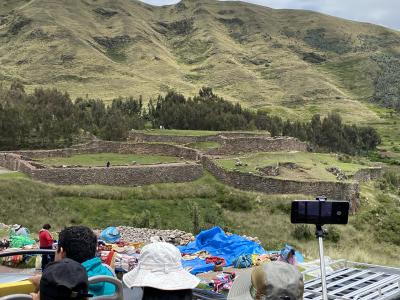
(160, 267)
(271, 281)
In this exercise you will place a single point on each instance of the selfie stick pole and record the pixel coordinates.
(320, 235)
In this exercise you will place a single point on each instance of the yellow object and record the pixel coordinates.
(254, 259)
(20, 287)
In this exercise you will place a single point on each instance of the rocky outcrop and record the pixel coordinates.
(146, 235)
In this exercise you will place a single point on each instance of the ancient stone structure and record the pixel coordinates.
(136, 136)
(270, 170)
(120, 176)
(368, 174)
(231, 142)
(115, 147)
(258, 144)
(192, 166)
(252, 182)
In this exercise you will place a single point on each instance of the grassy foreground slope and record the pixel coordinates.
(285, 61)
(172, 206)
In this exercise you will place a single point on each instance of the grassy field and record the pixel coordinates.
(311, 166)
(248, 54)
(171, 206)
(204, 145)
(389, 129)
(100, 159)
(176, 132)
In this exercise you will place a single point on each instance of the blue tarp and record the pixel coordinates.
(217, 243)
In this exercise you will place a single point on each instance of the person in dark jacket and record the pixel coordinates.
(46, 242)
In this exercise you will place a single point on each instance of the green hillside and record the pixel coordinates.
(285, 61)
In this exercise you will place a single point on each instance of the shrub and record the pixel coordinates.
(302, 232)
(235, 202)
(333, 234)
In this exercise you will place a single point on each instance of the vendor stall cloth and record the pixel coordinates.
(219, 244)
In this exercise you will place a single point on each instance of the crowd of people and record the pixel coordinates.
(159, 274)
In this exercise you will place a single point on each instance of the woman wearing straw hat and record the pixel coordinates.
(160, 274)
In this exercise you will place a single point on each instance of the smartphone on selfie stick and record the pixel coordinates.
(320, 212)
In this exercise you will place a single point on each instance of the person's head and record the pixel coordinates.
(78, 243)
(273, 280)
(46, 226)
(287, 252)
(291, 253)
(160, 272)
(64, 279)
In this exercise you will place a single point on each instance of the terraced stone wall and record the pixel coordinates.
(115, 147)
(257, 144)
(231, 142)
(368, 174)
(251, 182)
(121, 176)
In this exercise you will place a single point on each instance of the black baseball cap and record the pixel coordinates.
(64, 279)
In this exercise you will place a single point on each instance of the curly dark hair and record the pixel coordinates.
(78, 242)
(46, 226)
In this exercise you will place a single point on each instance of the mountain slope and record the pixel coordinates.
(287, 61)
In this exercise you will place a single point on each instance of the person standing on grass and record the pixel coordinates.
(46, 242)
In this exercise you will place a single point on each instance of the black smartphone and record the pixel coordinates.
(320, 212)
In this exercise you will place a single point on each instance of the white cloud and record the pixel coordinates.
(382, 12)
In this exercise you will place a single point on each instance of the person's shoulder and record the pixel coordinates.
(106, 270)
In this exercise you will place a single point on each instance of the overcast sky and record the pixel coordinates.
(382, 12)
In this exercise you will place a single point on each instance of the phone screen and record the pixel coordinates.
(320, 212)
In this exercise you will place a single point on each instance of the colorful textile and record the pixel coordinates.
(19, 241)
(217, 243)
(243, 261)
(216, 260)
(222, 282)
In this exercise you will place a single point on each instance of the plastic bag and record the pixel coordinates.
(243, 261)
(19, 241)
(38, 262)
(110, 235)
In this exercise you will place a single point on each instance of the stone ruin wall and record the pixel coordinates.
(231, 142)
(123, 176)
(113, 147)
(141, 137)
(251, 182)
(256, 144)
(367, 174)
(179, 172)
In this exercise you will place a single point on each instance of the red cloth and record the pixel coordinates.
(45, 238)
(218, 261)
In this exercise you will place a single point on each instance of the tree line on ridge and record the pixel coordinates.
(48, 118)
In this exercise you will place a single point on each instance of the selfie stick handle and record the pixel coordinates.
(320, 235)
